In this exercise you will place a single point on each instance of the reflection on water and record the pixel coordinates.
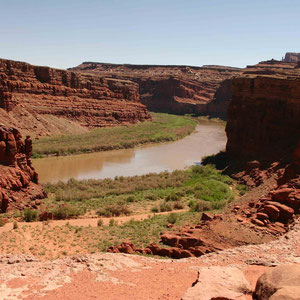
(208, 138)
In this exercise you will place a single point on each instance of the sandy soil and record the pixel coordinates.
(121, 276)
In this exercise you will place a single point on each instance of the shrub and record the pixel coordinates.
(30, 215)
(173, 197)
(112, 222)
(100, 223)
(201, 205)
(130, 199)
(15, 225)
(178, 205)
(155, 209)
(172, 218)
(114, 210)
(65, 212)
(242, 188)
(165, 206)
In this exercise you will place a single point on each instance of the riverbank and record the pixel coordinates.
(163, 128)
(181, 195)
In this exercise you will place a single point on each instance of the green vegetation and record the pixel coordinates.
(242, 188)
(200, 188)
(164, 127)
(30, 215)
(142, 233)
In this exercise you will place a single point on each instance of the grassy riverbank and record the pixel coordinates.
(198, 189)
(164, 127)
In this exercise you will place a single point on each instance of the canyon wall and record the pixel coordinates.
(174, 89)
(43, 100)
(264, 117)
(19, 186)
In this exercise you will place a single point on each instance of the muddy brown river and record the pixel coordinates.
(208, 138)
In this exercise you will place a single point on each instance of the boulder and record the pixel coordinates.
(275, 279)
(287, 293)
(262, 216)
(272, 211)
(206, 217)
(218, 283)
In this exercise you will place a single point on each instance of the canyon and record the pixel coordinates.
(174, 89)
(41, 100)
(262, 151)
(258, 231)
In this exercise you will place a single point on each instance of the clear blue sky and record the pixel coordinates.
(64, 33)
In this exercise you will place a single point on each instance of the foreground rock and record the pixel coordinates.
(42, 100)
(218, 283)
(281, 282)
(19, 186)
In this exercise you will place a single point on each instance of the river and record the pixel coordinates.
(208, 138)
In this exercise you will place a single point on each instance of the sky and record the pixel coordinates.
(64, 33)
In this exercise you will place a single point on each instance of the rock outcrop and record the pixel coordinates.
(281, 282)
(19, 186)
(291, 57)
(174, 89)
(264, 125)
(218, 283)
(264, 118)
(36, 99)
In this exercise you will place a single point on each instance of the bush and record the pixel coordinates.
(15, 225)
(155, 209)
(165, 206)
(172, 218)
(173, 197)
(65, 212)
(178, 205)
(201, 205)
(112, 222)
(30, 215)
(242, 188)
(114, 210)
(100, 223)
(130, 199)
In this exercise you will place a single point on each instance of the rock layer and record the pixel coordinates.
(90, 101)
(174, 89)
(18, 180)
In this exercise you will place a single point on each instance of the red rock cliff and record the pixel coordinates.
(18, 180)
(173, 89)
(42, 95)
(264, 118)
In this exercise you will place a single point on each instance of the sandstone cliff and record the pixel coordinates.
(264, 117)
(19, 186)
(174, 89)
(45, 100)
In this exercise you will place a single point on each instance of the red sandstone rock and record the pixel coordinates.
(174, 89)
(206, 217)
(257, 222)
(272, 211)
(268, 114)
(262, 216)
(18, 179)
(88, 100)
